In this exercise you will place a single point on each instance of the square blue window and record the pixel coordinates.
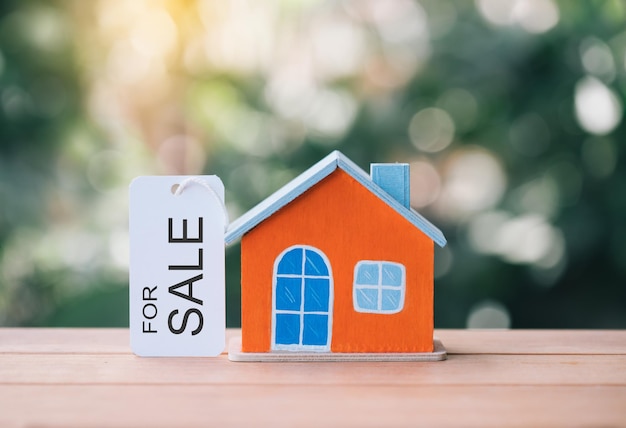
(291, 262)
(287, 329)
(316, 295)
(366, 299)
(288, 291)
(392, 300)
(315, 330)
(315, 264)
(393, 274)
(367, 274)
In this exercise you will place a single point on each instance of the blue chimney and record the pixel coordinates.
(393, 178)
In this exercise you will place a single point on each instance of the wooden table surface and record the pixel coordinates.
(541, 378)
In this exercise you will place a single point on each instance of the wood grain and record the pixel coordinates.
(562, 342)
(306, 405)
(457, 370)
(88, 377)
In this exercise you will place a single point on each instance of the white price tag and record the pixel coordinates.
(176, 273)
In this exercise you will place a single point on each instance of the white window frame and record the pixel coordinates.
(379, 287)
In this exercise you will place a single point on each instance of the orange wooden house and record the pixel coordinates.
(336, 261)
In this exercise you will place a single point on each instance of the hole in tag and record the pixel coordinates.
(174, 188)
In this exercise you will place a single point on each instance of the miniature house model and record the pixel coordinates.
(337, 262)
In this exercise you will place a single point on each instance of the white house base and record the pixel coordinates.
(234, 354)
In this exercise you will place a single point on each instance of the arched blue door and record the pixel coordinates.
(302, 300)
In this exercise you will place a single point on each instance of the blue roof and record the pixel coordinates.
(310, 178)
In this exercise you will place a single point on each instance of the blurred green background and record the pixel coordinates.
(510, 113)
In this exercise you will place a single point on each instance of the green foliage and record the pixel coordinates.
(505, 117)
